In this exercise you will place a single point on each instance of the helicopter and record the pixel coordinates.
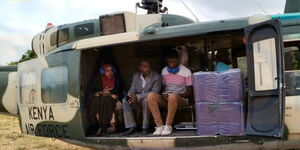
(50, 94)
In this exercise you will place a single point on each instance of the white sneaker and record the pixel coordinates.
(167, 130)
(158, 130)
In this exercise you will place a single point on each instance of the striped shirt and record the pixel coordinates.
(177, 83)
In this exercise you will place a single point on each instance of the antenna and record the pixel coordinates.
(190, 10)
(261, 8)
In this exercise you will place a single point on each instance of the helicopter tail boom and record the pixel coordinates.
(8, 102)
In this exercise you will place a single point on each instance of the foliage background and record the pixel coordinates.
(29, 54)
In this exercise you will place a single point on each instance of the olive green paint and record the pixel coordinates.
(3, 86)
(4, 71)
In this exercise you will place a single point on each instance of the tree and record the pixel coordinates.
(30, 54)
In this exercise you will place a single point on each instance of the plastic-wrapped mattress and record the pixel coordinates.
(224, 118)
(218, 87)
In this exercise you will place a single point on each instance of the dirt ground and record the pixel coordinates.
(12, 139)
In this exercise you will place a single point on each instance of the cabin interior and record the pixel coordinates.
(201, 51)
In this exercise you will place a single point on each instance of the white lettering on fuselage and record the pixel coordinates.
(40, 113)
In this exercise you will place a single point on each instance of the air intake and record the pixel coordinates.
(112, 24)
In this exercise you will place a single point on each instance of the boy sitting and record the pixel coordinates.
(177, 80)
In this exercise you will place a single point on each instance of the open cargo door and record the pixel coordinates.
(266, 79)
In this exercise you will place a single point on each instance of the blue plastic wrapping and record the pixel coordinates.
(224, 118)
(218, 87)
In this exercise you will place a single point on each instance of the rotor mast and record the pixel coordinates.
(152, 6)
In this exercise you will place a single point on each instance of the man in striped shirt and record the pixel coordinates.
(177, 80)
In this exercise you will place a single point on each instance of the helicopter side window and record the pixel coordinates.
(63, 36)
(55, 85)
(84, 29)
(292, 58)
(292, 73)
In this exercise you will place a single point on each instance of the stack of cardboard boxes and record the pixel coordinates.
(219, 106)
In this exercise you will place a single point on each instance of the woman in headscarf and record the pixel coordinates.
(106, 99)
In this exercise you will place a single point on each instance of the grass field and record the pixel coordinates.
(12, 139)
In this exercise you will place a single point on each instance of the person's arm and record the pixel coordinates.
(157, 85)
(187, 93)
(132, 89)
(164, 94)
(188, 83)
(97, 88)
(117, 89)
(156, 88)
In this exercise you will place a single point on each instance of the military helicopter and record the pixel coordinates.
(49, 94)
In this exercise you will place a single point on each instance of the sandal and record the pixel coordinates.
(100, 132)
(112, 128)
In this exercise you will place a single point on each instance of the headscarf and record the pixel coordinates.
(107, 82)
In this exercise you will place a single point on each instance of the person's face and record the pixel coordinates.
(172, 62)
(109, 72)
(145, 68)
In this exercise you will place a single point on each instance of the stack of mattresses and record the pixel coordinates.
(219, 107)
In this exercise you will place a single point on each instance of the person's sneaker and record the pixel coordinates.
(158, 130)
(167, 130)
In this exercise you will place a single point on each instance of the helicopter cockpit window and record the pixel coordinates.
(28, 87)
(84, 29)
(55, 85)
(63, 36)
(53, 39)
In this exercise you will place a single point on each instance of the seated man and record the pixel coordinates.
(144, 82)
(177, 81)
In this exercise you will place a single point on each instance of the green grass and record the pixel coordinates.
(12, 139)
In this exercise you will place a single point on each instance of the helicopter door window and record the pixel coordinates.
(265, 65)
(55, 85)
(28, 87)
(84, 29)
(63, 36)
